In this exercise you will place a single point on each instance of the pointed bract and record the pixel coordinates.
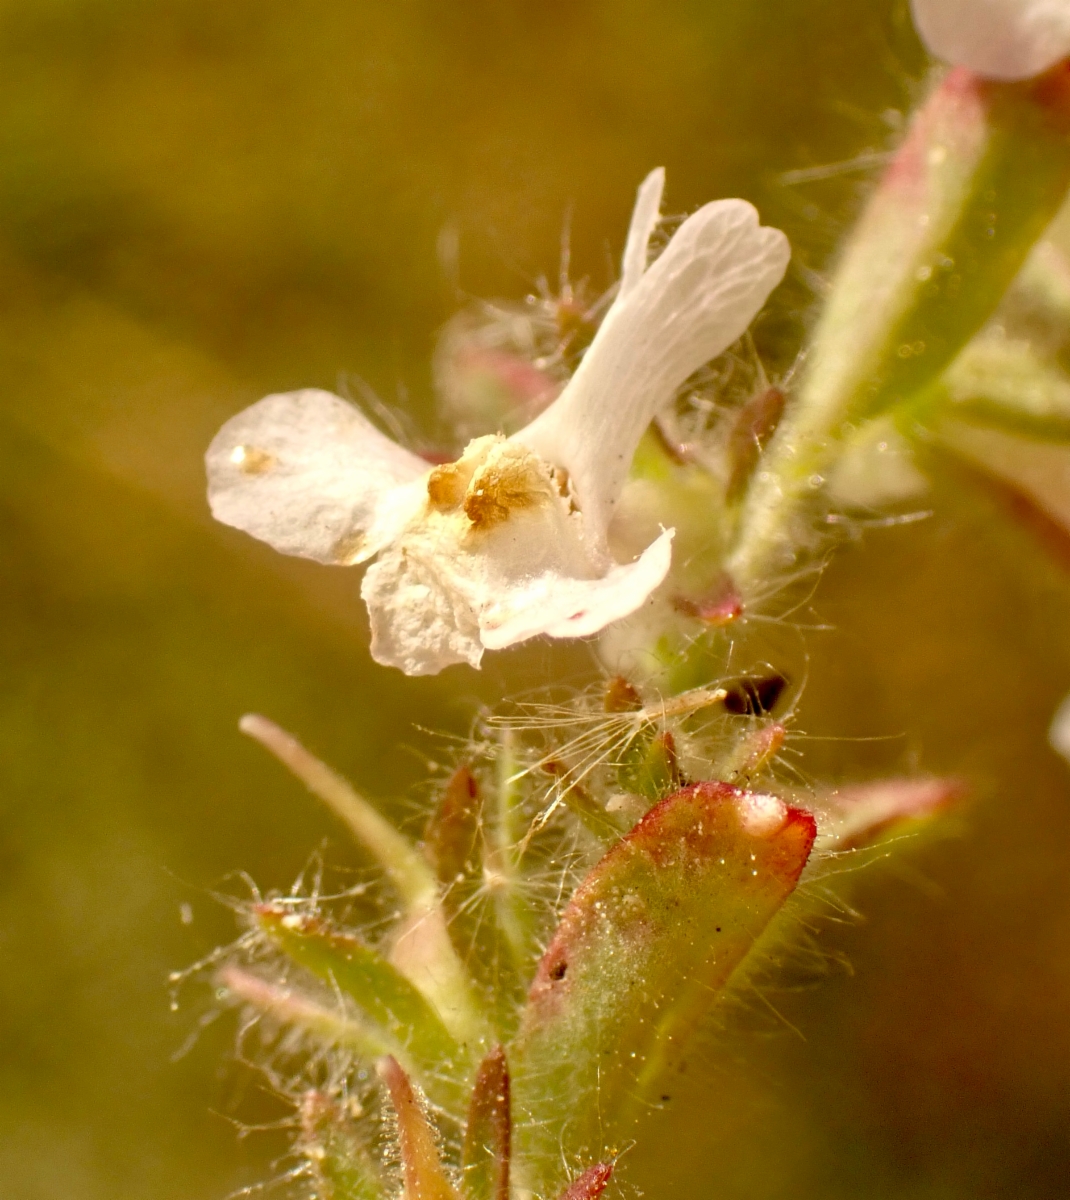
(421, 1167)
(453, 829)
(488, 1133)
(330, 1025)
(391, 849)
(852, 816)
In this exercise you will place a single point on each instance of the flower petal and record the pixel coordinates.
(562, 607)
(645, 217)
(422, 614)
(688, 307)
(436, 598)
(307, 473)
(999, 39)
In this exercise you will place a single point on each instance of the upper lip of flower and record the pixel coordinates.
(510, 540)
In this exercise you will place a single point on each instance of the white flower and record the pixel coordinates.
(999, 39)
(511, 540)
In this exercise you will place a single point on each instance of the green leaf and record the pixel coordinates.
(379, 989)
(645, 945)
(422, 948)
(488, 1133)
(324, 1024)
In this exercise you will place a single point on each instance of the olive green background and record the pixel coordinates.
(201, 202)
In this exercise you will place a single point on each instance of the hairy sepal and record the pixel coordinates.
(337, 1161)
(421, 1167)
(645, 945)
(488, 1133)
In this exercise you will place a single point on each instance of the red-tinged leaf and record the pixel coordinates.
(420, 1165)
(487, 1136)
(590, 1185)
(852, 816)
(645, 945)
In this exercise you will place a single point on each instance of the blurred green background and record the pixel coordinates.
(204, 202)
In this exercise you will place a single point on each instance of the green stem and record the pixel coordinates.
(982, 172)
(501, 861)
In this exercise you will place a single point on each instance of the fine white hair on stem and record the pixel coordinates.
(999, 39)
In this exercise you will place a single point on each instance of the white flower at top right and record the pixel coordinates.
(997, 39)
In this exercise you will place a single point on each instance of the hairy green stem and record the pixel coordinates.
(980, 175)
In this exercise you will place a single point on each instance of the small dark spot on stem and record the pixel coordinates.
(557, 971)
